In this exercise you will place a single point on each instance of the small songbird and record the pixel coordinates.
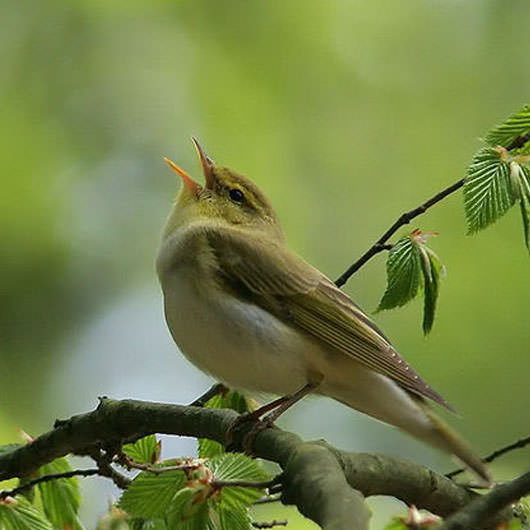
(244, 308)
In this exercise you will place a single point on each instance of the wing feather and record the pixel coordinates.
(282, 282)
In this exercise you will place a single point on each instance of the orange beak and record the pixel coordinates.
(186, 179)
(207, 164)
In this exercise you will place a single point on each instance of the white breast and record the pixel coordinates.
(236, 342)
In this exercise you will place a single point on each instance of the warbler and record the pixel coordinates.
(244, 308)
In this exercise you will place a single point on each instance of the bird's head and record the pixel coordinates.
(226, 197)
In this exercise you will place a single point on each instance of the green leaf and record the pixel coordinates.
(432, 268)
(521, 181)
(145, 450)
(412, 267)
(20, 514)
(235, 466)
(517, 125)
(403, 269)
(488, 193)
(233, 517)
(148, 524)
(198, 520)
(228, 400)
(60, 498)
(150, 495)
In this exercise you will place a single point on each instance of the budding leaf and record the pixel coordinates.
(146, 450)
(19, 514)
(412, 267)
(432, 268)
(60, 498)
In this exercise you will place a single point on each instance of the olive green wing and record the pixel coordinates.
(275, 278)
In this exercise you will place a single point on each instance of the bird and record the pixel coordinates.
(247, 310)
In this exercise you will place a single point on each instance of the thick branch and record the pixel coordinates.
(482, 508)
(402, 220)
(320, 480)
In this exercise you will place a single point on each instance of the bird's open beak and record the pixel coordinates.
(186, 179)
(207, 164)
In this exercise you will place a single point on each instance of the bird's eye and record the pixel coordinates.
(237, 195)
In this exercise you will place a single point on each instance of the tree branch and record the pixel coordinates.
(483, 507)
(327, 485)
(407, 217)
(402, 220)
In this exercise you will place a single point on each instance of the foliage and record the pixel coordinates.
(198, 497)
(497, 178)
(56, 505)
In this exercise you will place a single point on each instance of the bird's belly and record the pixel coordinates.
(236, 342)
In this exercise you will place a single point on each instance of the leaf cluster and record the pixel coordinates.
(497, 178)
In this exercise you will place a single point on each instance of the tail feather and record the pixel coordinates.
(448, 440)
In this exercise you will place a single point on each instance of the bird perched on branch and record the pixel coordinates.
(244, 308)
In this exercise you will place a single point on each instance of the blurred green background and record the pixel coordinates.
(345, 112)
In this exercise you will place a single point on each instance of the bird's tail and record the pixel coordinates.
(446, 439)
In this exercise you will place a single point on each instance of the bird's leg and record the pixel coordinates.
(274, 409)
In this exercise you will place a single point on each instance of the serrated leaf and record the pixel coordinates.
(488, 193)
(150, 495)
(146, 450)
(227, 400)
(235, 466)
(233, 518)
(403, 269)
(60, 498)
(20, 514)
(209, 448)
(517, 125)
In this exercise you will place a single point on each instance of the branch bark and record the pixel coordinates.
(327, 485)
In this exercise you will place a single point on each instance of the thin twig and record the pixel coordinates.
(105, 469)
(48, 478)
(129, 463)
(407, 217)
(519, 444)
(402, 220)
(269, 524)
(214, 390)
